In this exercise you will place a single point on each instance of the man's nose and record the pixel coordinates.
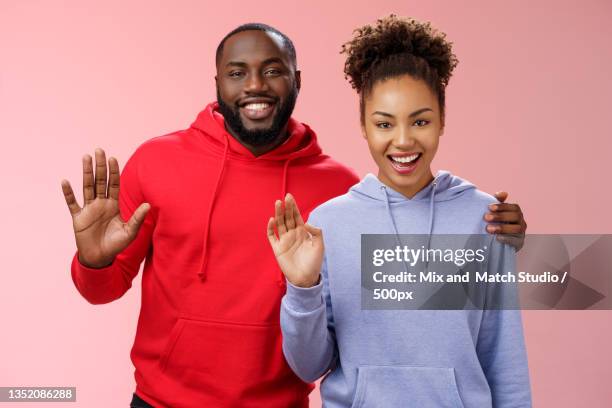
(255, 83)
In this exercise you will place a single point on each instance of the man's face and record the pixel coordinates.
(257, 86)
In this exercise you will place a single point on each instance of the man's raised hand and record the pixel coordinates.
(99, 231)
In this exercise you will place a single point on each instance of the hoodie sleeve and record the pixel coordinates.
(309, 339)
(103, 285)
(501, 345)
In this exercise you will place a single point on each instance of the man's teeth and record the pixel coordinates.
(257, 106)
(405, 159)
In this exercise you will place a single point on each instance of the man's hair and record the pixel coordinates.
(287, 43)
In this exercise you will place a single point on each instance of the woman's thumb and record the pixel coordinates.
(313, 230)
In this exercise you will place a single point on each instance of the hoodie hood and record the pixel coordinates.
(444, 187)
(302, 142)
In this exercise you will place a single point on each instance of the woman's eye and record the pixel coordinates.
(383, 125)
(421, 122)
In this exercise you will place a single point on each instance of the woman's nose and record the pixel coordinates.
(404, 139)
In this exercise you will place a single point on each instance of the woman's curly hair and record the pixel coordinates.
(396, 46)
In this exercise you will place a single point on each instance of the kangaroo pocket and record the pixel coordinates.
(224, 358)
(406, 386)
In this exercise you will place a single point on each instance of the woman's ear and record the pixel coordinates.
(363, 132)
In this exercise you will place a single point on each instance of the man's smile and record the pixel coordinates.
(257, 108)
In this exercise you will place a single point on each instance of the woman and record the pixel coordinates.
(394, 358)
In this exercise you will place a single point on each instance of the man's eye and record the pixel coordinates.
(383, 125)
(273, 72)
(421, 122)
(235, 74)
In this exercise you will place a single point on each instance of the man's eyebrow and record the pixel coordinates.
(241, 64)
(273, 60)
(236, 64)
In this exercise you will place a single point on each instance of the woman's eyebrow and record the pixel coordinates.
(418, 112)
(413, 114)
(382, 114)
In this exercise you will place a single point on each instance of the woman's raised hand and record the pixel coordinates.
(298, 247)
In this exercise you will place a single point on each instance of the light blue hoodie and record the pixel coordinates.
(401, 358)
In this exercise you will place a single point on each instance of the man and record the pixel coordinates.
(197, 203)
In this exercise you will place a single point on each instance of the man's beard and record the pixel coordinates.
(258, 137)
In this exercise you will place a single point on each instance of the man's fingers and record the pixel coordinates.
(88, 180)
(289, 211)
(501, 207)
(70, 198)
(516, 241)
(279, 218)
(137, 219)
(113, 179)
(506, 216)
(505, 229)
(501, 196)
(100, 176)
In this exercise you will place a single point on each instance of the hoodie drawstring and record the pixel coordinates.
(284, 181)
(281, 277)
(431, 218)
(202, 270)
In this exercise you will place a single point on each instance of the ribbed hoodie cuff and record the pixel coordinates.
(92, 276)
(304, 300)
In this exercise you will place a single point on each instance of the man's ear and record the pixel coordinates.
(298, 79)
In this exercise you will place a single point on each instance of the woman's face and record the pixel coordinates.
(402, 125)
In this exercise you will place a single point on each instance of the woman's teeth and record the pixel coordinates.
(405, 159)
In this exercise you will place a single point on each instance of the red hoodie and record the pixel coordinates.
(208, 334)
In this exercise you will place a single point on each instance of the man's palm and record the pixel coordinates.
(99, 231)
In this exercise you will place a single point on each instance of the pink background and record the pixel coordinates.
(526, 112)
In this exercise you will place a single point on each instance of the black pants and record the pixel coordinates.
(138, 402)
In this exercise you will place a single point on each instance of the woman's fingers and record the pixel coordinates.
(279, 218)
(70, 198)
(100, 173)
(314, 231)
(296, 212)
(88, 180)
(289, 211)
(270, 232)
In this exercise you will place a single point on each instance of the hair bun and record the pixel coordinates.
(393, 35)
